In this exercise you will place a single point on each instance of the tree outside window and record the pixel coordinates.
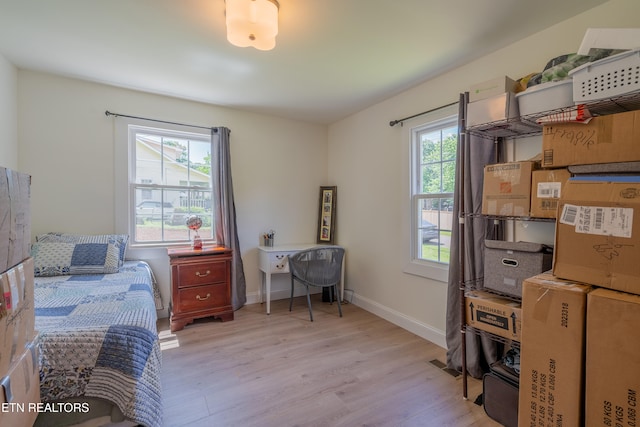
(434, 157)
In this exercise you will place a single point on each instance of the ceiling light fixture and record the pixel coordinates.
(252, 23)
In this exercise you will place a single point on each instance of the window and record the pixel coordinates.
(169, 180)
(434, 148)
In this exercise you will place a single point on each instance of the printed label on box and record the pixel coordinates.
(606, 221)
(549, 190)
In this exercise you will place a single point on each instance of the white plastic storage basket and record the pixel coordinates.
(545, 97)
(609, 77)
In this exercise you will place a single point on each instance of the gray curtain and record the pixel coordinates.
(467, 256)
(226, 227)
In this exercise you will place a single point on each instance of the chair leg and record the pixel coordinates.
(335, 288)
(291, 299)
(309, 303)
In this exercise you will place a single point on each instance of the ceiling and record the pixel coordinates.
(332, 57)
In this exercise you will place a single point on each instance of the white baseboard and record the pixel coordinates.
(414, 326)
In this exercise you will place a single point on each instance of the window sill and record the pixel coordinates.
(429, 270)
(167, 244)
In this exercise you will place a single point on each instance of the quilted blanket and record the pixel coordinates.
(98, 338)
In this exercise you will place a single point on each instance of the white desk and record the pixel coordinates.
(274, 260)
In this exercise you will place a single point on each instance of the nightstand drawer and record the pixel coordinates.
(202, 274)
(203, 297)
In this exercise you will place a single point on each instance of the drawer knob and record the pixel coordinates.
(203, 275)
(199, 298)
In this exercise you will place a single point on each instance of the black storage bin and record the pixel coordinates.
(501, 388)
(500, 399)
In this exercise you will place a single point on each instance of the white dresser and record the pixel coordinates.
(274, 260)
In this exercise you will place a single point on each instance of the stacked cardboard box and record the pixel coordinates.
(21, 390)
(613, 359)
(597, 241)
(491, 313)
(491, 101)
(19, 371)
(597, 238)
(546, 190)
(606, 139)
(17, 316)
(552, 352)
(15, 218)
(506, 188)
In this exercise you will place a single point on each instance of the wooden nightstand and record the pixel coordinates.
(200, 284)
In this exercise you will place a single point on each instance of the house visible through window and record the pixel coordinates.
(433, 173)
(169, 180)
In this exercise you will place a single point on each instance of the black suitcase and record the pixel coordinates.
(500, 395)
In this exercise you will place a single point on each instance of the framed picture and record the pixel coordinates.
(327, 215)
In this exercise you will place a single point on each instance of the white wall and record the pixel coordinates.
(8, 115)
(67, 145)
(369, 162)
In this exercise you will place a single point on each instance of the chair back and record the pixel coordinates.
(319, 266)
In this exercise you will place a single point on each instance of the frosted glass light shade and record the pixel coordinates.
(252, 23)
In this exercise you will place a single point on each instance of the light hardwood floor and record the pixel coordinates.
(283, 370)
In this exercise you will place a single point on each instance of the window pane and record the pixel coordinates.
(196, 202)
(448, 176)
(431, 175)
(148, 159)
(449, 143)
(174, 154)
(430, 147)
(434, 229)
(199, 163)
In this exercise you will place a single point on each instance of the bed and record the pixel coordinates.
(97, 328)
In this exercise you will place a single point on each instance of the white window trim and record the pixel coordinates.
(123, 167)
(417, 266)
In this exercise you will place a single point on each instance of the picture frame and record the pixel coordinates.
(327, 215)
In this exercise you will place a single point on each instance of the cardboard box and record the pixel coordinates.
(508, 264)
(546, 189)
(605, 139)
(506, 189)
(492, 87)
(15, 218)
(492, 109)
(552, 352)
(20, 391)
(494, 314)
(613, 359)
(598, 232)
(17, 317)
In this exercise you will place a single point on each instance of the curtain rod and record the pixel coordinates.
(109, 113)
(392, 123)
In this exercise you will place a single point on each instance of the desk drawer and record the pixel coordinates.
(279, 263)
(202, 273)
(205, 297)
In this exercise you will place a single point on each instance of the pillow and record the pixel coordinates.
(122, 239)
(63, 258)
